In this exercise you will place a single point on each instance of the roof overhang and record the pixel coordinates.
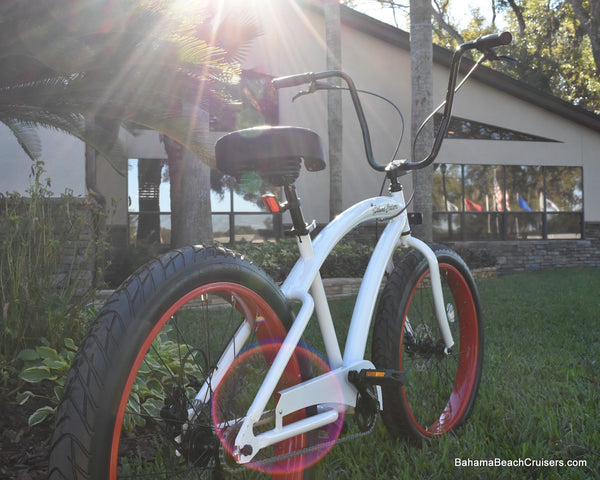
(442, 56)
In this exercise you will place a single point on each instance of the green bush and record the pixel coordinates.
(46, 269)
(348, 259)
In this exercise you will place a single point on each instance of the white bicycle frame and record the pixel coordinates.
(331, 391)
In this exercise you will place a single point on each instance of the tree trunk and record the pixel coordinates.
(334, 105)
(421, 56)
(196, 211)
(191, 213)
(590, 21)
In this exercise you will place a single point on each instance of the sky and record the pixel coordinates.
(460, 10)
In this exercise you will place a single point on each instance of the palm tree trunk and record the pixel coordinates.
(421, 55)
(191, 213)
(334, 105)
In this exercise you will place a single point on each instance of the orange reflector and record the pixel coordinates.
(373, 373)
(271, 203)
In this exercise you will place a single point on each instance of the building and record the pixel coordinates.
(516, 177)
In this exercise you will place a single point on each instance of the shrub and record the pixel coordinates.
(348, 259)
(46, 268)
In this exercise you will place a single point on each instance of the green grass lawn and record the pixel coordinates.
(539, 397)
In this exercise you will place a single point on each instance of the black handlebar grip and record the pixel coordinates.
(493, 40)
(292, 80)
(488, 41)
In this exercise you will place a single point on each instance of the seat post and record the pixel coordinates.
(293, 205)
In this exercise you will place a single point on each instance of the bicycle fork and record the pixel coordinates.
(436, 286)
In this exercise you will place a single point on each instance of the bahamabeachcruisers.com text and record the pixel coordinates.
(519, 462)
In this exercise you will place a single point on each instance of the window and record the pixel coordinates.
(473, 130)
(486, 202)
(238, 213)
(149, 203)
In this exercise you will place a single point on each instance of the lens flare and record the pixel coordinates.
(236, 392)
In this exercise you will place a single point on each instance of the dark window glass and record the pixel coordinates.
(483, 226)
(473, 130)
(447, 188)
(524, 202)
(564, 225)
(524, 185)
(524, 226)
(447, 226)
(250, 228)
(479, 187)
(564, 189)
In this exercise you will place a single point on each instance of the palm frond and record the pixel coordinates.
(64, 64)
(27, 137)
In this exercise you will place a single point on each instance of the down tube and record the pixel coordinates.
(367, 296)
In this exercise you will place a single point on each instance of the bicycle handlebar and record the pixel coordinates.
(312, 78)
(488, 41)
(484, 44)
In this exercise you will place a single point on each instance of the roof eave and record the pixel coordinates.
(490, 77)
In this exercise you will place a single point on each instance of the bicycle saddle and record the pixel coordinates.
(275, 153)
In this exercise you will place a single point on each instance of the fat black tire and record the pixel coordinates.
(85, 420)
(440, 390)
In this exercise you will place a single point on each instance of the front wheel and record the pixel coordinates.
(440, 389)
(140, 396)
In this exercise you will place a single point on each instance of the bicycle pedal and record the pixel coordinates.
(377, 377)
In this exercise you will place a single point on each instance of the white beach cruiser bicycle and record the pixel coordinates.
(195, 367)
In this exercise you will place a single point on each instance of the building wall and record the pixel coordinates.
(293, 43)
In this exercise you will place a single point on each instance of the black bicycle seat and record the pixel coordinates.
(275, 153)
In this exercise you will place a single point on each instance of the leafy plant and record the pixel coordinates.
(153, 384)
(45, 364)
(47, 265)
(348, 259)
(156, 380)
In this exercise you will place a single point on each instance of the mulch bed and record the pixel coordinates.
(23, 449)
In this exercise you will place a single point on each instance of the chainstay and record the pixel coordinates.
(286, 456)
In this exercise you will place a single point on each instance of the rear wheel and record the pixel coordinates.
(440, 388)
(139, 399)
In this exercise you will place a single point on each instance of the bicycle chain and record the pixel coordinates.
(286, 456)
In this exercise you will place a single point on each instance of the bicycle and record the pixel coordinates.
(195, 366)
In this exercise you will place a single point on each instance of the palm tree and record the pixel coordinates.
(331, 11)
(421, 54)
(87, 68)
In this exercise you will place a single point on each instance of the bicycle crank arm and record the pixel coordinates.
(333, 392)
(253, 444)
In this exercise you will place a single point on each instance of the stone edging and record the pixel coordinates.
(335, 288)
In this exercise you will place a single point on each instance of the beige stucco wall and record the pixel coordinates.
(293, 43)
